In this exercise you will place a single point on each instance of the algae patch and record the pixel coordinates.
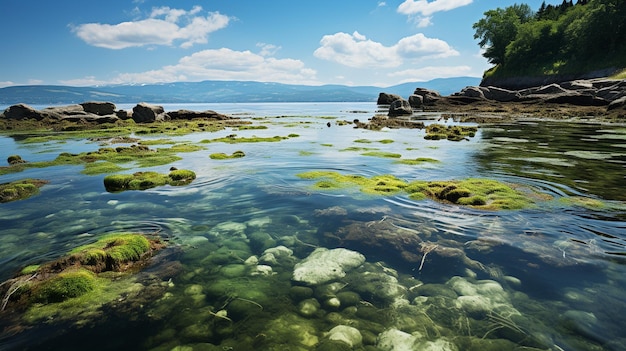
(20, 189)
(147, 180)
(452, 133)
(223, 156)
(478, 193)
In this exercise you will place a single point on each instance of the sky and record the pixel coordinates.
(347, 42)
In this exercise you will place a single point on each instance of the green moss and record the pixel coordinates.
(101, 167)
(30, 269)
(251, 127)
(223, 156)
(68, 284)
(383, 154)
(20, 189)
(112, 251)
(476, 192)
(417, 161)
(453, 133)
(232, 139)
(355, 148)
(479, 193)
(181, 177)
(146, 180)
(305, 153)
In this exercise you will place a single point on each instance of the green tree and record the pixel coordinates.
(499, 28)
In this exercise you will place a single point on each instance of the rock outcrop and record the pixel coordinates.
(95, 112)
(594, 92)
(400, 107)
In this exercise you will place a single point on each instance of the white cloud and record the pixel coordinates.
(268, 49)
(426, 8)
(430, 72)
(357, 51)
(225, 64)
(163, 27)
(7, 83)
(421, 11)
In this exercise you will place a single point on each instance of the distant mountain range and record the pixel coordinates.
(218, 91)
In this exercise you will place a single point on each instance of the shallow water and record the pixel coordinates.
(550, 277)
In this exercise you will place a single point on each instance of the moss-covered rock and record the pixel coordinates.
(67, 284)
(147, 180)
(223, 156)
(479, 193)
(15, 159)
(20, 189)
(454, 133)
(112, 252)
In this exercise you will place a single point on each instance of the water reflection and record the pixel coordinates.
(435, 274)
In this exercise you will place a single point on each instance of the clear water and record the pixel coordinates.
(551, 277)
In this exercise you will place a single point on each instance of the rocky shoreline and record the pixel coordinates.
(602, 99)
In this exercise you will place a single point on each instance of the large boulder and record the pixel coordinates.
(22, 111)
(400, 107)
(60, 112)
(387, 99)
(187, 114)
(99, 108)
(416, 101)
(618, 104)
(500, 94)
(429, 97)
(146, 113)
(324, 265)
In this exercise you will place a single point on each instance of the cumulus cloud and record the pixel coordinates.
(225, 64)
(164, 26)
(426, 8)
(430, 72)
(7, 83)
(421, 11)
(355, 50)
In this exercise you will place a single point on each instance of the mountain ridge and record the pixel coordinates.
(216, 91)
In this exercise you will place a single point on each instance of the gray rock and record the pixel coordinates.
(500, 94)
(146, 113)
(186, 114)
(400, 107)
(618, 104)
(429, 96)
(474, 92)
(22, 111)
(416, 101)
(324, 265)
(387, 99)
(99, 108)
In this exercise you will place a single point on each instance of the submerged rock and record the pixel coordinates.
(324, 265)
(346, 334)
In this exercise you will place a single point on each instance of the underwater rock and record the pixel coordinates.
(15, 159)
(396, 340)
(308, 308)
(379, 287)
(324, 265)
(346, 334)
(262, 269)
(20, 189)
(277, 256)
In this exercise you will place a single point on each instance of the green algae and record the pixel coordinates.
(112, 251)
(367, 141)
(452, 133)
(223, 156)
(66, 285)
(233, 139)
(478, 193)
(417, 161)
(383, 154)
(104, 159)
(147, 180)
(20, 189)
(356, 148)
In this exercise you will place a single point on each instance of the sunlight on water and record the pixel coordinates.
(434, 275)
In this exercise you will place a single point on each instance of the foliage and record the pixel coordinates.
(563, 39)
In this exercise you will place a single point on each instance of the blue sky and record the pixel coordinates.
(349, 42)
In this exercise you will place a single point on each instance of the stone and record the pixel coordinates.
(500, 94)
(146, 113)
(324, 265)
(416, 101)
(429, 97)
(396, 340)
(187, 115)
(346, 334)
(22, 111)
(387, 99)
(99, 108)
(618, 104)
(308, 308)
(400, 107)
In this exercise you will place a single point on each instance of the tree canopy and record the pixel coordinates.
(556, 39)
